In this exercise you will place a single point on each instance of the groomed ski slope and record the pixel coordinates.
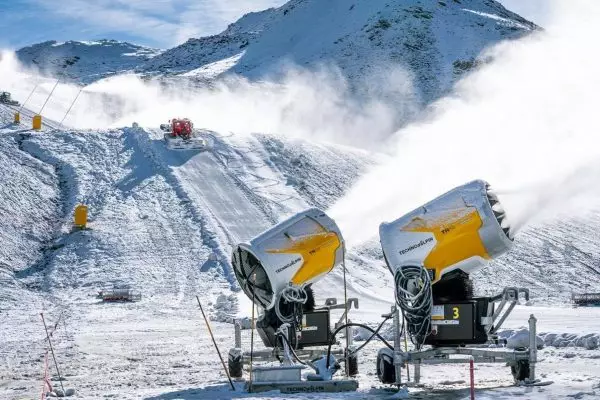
(163, 222)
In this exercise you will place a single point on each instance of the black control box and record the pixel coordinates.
(315, 329)
(459, 323)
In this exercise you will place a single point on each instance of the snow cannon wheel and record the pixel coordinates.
(386, 372)
(235, 364)
(520, 371)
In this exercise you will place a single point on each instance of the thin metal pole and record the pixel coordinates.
(52, 351)
(28, 97)
(347, 327)
(70, 107)
(406, 351)
(215, 343)
(50, 95)
(251, 343)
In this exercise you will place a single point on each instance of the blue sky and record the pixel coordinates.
(155, 23)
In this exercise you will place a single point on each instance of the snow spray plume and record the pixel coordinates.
(21, 81)
(312, 105)
(526, 120)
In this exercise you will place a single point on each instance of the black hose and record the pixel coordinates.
(359, 348)
(361, 326)
(292, 350)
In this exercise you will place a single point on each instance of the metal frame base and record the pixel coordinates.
(443, 355)
(307, 354)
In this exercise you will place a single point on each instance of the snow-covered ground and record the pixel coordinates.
(164, 223)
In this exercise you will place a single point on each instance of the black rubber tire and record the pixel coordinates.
(520, 371)
(353, 365)
(234, 363)
(385, 367)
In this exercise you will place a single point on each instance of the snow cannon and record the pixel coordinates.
(432, 253)
(432, 250)
(459, 231)
(282, 261)
(276, 271)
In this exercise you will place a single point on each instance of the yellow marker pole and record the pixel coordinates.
(80, 218)
(17, 117)
(36, 122)
(251, 341)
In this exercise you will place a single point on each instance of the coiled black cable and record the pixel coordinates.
(414, 297)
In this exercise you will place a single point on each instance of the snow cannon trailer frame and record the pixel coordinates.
(521, 360)
(6, 98)
(287, 378)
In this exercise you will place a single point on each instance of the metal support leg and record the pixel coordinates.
(398, 361)
(532, 346)
(418, 372)
(238, 334)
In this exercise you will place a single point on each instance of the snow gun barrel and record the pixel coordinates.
(283, 260)
(460, 230)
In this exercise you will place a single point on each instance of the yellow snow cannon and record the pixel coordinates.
(276, 270)
(432, 250)
(291, 255)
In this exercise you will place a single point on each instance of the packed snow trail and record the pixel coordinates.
(209, 184)
(217, 180)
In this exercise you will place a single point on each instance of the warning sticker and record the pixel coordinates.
(437, 313)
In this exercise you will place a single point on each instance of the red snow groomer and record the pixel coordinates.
(180, 135)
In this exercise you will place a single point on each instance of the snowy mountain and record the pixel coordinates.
(85, 61)
(437, 41)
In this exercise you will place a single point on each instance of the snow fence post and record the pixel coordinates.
(532, 346)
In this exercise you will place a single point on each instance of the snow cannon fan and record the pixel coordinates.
(432, 250)
(277, 268)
